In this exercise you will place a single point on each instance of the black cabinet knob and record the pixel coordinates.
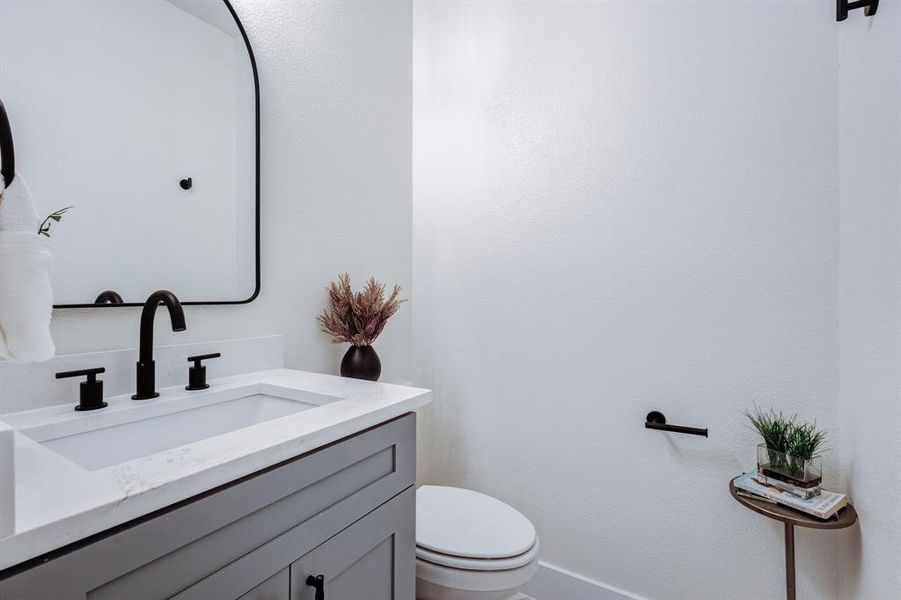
(91, 391)
(197, 373)
(318, 583)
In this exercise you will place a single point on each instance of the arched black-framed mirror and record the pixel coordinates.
(7, 150)
(143, 117)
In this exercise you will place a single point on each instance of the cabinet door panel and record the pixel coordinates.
(276, 587)
(372, 559)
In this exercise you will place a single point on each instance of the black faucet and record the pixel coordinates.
(146, 371)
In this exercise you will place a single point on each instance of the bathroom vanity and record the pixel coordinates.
(270, 484)
(267, 486)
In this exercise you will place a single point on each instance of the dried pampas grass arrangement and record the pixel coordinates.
(358, 317)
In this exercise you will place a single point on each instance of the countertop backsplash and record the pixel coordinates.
(31, 386)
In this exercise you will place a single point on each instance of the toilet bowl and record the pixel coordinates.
(470, 546)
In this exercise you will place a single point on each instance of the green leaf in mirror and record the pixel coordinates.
(54, 217)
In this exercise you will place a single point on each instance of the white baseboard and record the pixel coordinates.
(555, 583)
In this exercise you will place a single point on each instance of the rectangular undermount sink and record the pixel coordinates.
(147, 433)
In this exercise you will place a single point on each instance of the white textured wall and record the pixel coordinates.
(619, 207)
(870, 100)
(336, 101)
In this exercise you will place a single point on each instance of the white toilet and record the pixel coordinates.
(470, 546)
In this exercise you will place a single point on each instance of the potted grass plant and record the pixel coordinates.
(790, 456)
(359, 318)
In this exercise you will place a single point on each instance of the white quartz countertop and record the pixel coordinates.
(59, 501)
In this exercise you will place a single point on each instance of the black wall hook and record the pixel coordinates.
(843, 7)
(187, 183)
(7, 150)
(656, 420)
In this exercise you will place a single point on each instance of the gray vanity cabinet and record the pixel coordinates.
(346, 511)
(372, 559)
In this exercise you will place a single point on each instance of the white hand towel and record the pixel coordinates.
(26, 298)
(17, 211)
(7, 480)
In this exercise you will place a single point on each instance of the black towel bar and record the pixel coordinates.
(656, 420)
(7, 151)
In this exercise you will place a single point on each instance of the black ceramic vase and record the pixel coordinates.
(361, 362)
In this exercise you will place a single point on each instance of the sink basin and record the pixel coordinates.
(143, 432)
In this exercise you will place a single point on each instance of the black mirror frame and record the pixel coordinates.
(257, 277)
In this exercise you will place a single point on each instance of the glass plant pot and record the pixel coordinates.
(790, 473)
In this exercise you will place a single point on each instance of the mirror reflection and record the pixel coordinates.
(135, 130)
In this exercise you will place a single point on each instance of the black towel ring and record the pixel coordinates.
(7, 151)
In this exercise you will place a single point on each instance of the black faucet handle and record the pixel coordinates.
(197, 373)
(91, 374)
(91, 390)
(196, 359)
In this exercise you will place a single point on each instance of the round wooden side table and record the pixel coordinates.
(790, 518)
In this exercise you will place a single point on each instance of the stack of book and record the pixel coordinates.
(823, 506)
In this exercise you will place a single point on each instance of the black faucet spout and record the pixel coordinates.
(146, 368)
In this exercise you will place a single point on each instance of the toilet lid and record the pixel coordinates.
(479, 564)
(457, 522)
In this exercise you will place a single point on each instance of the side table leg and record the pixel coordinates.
(789, 561)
